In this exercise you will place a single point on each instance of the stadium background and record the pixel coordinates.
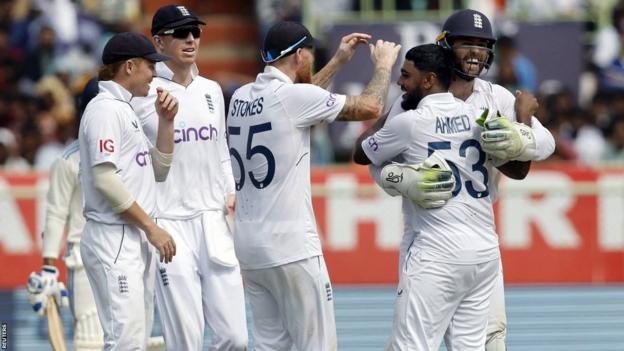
(561, 229)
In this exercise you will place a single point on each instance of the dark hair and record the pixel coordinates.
(433, 58)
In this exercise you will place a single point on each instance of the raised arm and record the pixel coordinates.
(370, 103)
(162, 155)
(344, 53)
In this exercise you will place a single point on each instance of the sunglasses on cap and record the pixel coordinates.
(183, 32)
(269, 56)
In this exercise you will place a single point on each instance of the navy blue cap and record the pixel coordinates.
(173, 16)
(127, 45)
(468, 23)
(283, 39)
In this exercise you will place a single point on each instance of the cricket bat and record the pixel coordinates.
(55, 326)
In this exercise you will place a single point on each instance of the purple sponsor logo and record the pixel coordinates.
(331, 101)
(195, 134)
(372, 143)
(142, 158)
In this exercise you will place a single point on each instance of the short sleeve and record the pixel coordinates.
(308, 104)
(391, 140)
(103, 134)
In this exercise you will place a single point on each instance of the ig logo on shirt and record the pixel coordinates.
(107, 145)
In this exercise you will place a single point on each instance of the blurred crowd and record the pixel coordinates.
(49, 49)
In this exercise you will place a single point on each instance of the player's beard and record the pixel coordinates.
(411, 99)
(304, 73)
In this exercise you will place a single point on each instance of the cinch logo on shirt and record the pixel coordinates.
(192, 134)
(452, 125)
(107, 145)
(331, 101)
(372, 143)
(142, 158)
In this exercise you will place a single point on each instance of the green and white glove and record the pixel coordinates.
(429, 184)
(505, 140)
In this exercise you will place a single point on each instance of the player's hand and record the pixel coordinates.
(348, 45)
(526, 105)
(230, 203)
(384, 53)
(429, 184)
(163, 242)
(505, 140)
(166, 104)
(42, 285)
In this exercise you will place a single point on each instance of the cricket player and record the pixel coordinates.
(275, 236)
(468, 33)
(118, 174)
(203, 285)
(453, 261)
(64, 208)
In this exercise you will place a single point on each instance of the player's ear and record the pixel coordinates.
(431, 79)
(127, 66)
(158, 42)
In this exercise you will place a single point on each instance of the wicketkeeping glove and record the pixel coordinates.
(508, 141)
(429, 184)
(44, 284)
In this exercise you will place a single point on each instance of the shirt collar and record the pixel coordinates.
(163, 71)
(438, 98)
(115, 89)
(271, 73)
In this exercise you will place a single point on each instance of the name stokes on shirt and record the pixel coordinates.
(452, 125)
(242, 108)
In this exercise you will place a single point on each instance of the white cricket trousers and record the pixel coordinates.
(292, 305)
(438, 301)
(497, 317)
(121, 268)
(88, 333)
(202, 285)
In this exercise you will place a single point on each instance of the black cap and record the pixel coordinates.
(127, 45)
(283, 39)
(173, 16)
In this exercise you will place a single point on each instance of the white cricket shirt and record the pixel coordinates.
(111, 132)
(497, 98)
(269, 124)
(463, 231)
(200, 177)
(64, 203)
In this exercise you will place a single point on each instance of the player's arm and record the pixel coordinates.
(166, 107)
(370, 103)
(108, 183)
(226, 163)
(63, 182)
(513, 144)
(344, 54)
(43, 284)
(359, 156)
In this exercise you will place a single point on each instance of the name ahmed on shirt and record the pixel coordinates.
(452, 125)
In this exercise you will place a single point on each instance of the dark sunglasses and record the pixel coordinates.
(183, 32)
